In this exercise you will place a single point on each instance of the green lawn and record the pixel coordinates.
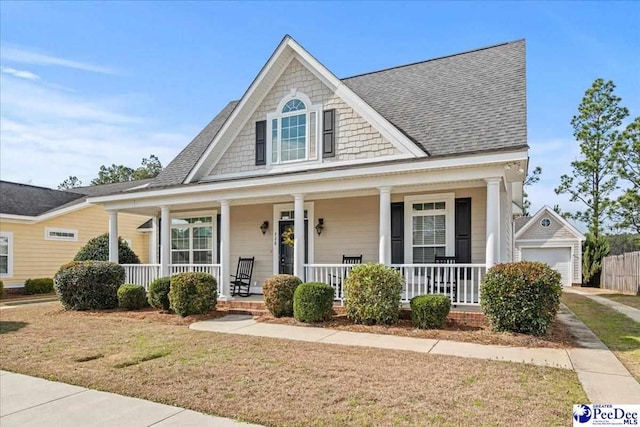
(630, 300)
(617, 331)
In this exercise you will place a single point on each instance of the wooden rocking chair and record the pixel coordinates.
(242, 280)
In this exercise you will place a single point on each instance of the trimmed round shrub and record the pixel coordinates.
(97, 249)
(89, 285)
(38, 286)
(158, 295)
(132, 297)
(429, 311)
(313, 302)
(373, 294)
(193, 293)
(521, 297)
(278, 293)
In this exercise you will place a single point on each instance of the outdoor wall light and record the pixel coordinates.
(264, 227)
(320, 226)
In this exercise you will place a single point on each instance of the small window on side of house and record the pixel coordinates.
(65, 234)
(545, 222)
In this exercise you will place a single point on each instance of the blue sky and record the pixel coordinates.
(86, 84)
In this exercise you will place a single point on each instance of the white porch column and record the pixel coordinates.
(298, 242)
(493, 221)
(225, 249)
(113, 236)
(153, 241)
(165, 240)
(384, 254)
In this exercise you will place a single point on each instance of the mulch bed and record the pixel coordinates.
(558, 336)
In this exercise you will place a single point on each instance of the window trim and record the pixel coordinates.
(191, 226)
(9, 236)
(279, 115)
(449, 200)
(49, 230)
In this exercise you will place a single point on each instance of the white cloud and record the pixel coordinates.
(24, 56)
(47, 134)
(28, 75)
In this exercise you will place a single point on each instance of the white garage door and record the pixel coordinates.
(558, 258)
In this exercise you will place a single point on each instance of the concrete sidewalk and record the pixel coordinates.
(29, 401)
(603, 377)
(628, 311)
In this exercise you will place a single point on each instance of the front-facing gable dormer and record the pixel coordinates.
(297, 115)
(301, 121)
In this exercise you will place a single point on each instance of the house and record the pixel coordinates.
(407, 166)
(548, 237)
(42, 229)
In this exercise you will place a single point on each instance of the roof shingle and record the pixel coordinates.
(460, 104)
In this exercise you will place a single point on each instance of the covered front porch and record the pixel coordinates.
(440, 230)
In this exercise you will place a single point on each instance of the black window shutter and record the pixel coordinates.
(397, 233)
(328, 133)
(463, 230)
(261, 142)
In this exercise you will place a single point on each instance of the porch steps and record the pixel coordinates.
(254, 308)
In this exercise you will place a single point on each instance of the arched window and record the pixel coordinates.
(293, 105)
(293, 130)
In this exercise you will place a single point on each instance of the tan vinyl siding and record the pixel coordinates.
(556, 230)
(33, 256)
(355, 138)
(248, 241)
(351, 228)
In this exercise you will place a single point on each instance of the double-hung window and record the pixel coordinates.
(6, 254)
(292, 131)
(192, 240)
(430, 230)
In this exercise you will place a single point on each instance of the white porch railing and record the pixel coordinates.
(331, 274)
(141, 274)
(461, 282)
(144, 274)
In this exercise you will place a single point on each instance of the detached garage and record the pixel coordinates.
(549, 238)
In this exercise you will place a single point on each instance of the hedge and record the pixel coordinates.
(97, 249)
(429, 311)
(521, 297)
(193, 293)
(38, 286)
(89, 285)
(313, 302)
(132, 297)
(373, 294)
(278, 293)
(158, 295)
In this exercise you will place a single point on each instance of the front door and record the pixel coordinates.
(286, 251)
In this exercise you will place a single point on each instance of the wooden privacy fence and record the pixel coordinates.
(621, 273)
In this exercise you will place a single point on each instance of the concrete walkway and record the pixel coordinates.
(628, 311)
(29, 401)
(603, 377)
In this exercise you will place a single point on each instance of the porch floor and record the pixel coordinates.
(253, 301)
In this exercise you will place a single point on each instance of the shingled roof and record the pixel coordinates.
(30, 200)
(461, 104)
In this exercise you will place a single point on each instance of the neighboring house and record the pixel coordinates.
(403, 166)
(549, 238)
(42, 229)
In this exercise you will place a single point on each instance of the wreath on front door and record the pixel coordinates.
(288, 236)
